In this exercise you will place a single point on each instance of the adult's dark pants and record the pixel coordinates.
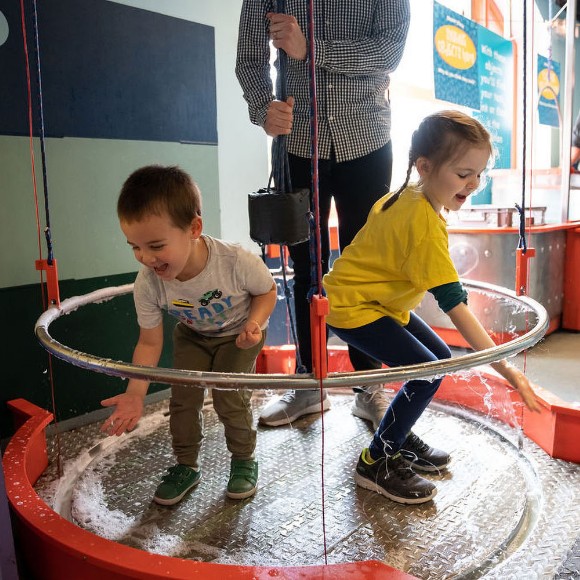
(355, 186)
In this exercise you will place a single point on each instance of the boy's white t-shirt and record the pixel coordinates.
(216, 302)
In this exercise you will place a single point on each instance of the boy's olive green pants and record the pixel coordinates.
(193, 351)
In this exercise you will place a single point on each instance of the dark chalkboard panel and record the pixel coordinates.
(110, 72)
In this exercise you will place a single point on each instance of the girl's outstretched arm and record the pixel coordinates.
(474, 333)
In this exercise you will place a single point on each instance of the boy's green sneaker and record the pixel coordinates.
(243, 478)
(178, 480)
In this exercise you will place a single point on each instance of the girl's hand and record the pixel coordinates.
(129, 409)
(250, 335)
(520, 382)
(478, 338)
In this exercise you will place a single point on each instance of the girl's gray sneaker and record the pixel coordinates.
(419, 455)
(393, 478)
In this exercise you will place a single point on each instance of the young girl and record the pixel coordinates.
(399, 254)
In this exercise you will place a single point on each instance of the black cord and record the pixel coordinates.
(522, 239)
(280, 164)
(47, 231)
(522, 209)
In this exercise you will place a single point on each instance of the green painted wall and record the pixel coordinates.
(85, 177)
(107, 330)
(84, 180)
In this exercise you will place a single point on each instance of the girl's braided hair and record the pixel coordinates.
(439, 138)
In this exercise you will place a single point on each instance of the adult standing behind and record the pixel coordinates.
(358, 43)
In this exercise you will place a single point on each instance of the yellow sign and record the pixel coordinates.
(455, 47)
(548, 84)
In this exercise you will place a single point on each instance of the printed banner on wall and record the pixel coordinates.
(455, 58)
(473, 68)
(495, 70)
(548, 91)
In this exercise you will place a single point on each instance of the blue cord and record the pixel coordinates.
(281, 176)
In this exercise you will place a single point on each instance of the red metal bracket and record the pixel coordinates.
(522, 270)
(51, 280)
(318, 312)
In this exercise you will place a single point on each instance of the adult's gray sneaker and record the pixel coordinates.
(293, 405)
(371, 404)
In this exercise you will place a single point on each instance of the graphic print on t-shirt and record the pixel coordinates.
(210, 312)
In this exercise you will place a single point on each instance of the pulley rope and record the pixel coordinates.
(31, 142)
(280, 163)
(314, 148)
(522, 244)
(316, 242)
(50, 257)
(280, 174)
(522, 253)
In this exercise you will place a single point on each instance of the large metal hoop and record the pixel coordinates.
(283, 381)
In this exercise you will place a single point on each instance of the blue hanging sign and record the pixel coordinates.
(496, 92)
(548, 91)
(473, 67)
(455, 57)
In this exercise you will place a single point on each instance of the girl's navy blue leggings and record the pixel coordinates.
(396, 345)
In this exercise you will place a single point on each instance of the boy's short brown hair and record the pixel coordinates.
(155, 189)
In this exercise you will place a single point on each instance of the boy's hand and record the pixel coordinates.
(125, 417)
(250, 335)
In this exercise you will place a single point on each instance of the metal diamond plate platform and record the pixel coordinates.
(504, 508)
